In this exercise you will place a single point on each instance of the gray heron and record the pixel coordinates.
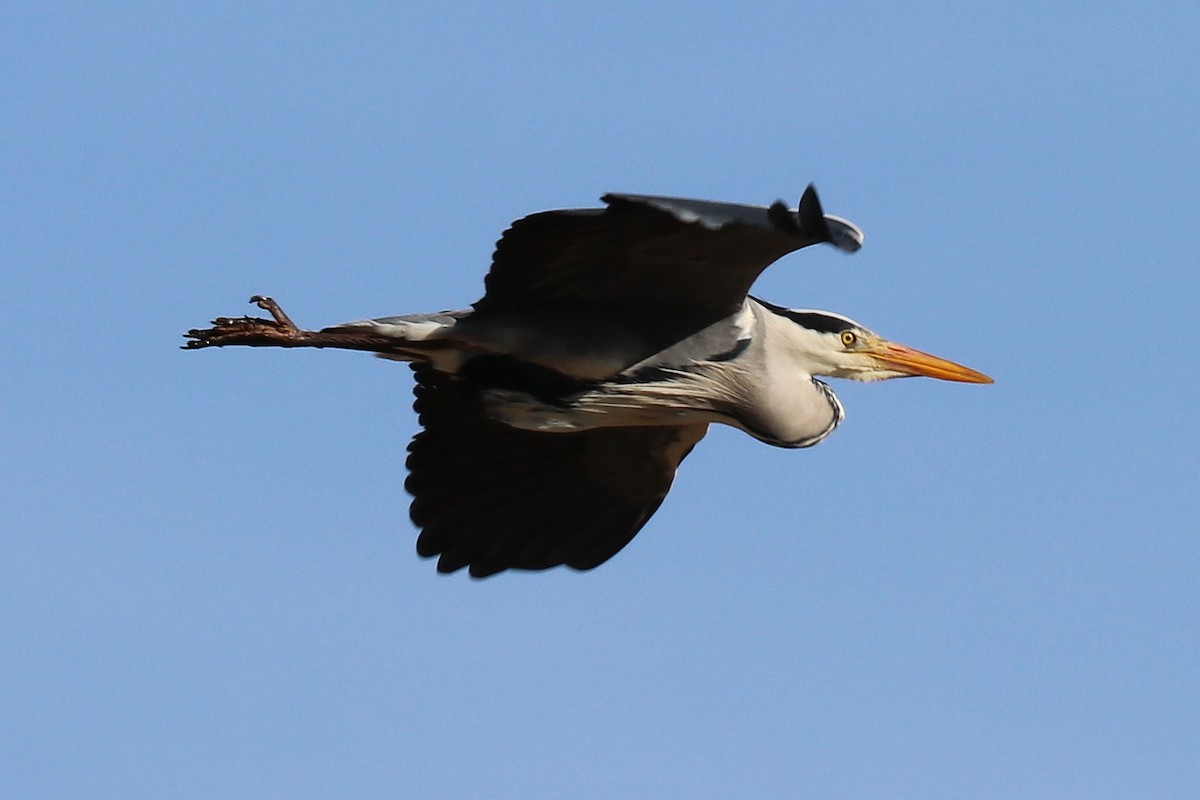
(555, 410)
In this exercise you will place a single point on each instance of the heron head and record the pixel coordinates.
(841, 348)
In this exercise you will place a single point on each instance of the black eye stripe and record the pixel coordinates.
(819, 322)
(813, 320)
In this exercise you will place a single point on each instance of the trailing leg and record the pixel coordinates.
(280, 331)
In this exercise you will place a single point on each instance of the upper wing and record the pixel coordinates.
(492, 497)
(683, 263)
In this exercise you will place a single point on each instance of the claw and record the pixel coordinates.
(268, 304)
(246, 330)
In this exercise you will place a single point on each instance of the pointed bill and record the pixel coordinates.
(913, 362)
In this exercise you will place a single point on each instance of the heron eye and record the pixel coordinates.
(848, 338)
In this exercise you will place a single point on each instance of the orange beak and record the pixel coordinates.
(914, 362)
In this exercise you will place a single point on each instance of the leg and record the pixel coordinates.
(280, 331)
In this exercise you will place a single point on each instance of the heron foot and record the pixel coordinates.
(279, 331)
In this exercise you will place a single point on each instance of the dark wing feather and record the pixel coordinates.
(491, 497)
(685, 263)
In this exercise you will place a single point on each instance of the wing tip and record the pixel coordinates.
(808, 219)
(837, 231)
(844, 234)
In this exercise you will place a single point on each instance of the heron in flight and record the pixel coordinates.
(557, 408)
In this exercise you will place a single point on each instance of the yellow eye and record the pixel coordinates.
(848, 338)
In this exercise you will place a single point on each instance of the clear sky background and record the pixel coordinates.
(207, 579)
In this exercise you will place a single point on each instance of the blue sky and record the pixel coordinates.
(207, 579)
